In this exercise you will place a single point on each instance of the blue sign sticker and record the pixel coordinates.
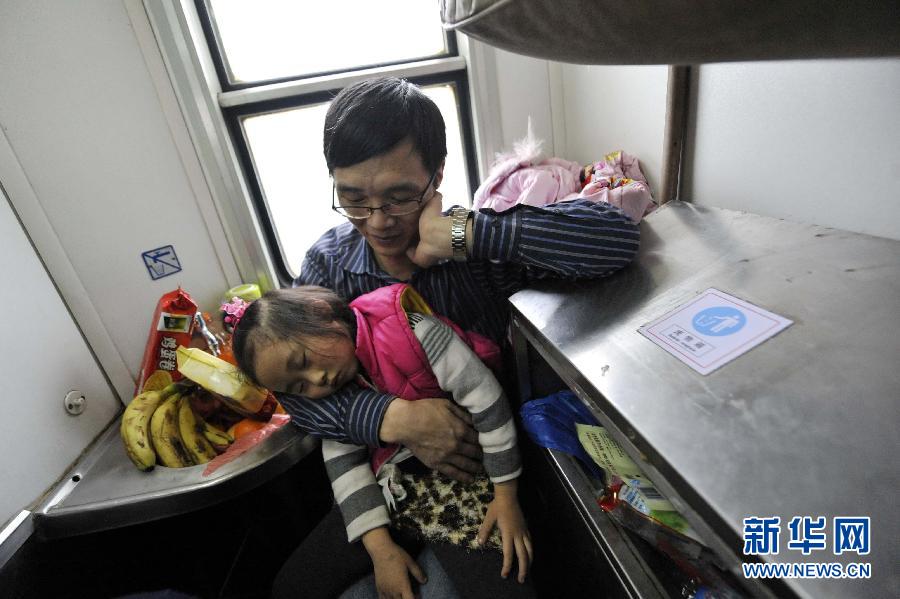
(161, 262)
(719, 321)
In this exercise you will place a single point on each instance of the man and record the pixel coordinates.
(385, 146)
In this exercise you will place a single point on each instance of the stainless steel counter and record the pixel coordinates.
(806, 424)
(104, 490)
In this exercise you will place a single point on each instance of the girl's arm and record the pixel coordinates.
(505, 513)
(365, 515)
(355, 491)
(460, 372)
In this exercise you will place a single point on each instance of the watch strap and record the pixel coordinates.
(458, 218)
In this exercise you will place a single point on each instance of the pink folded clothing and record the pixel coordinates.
(514, 182)
(524, 179)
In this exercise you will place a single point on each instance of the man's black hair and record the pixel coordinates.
(369, 118)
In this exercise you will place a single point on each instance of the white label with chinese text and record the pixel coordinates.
(712, 329)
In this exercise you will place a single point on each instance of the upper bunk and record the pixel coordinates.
(679, 31)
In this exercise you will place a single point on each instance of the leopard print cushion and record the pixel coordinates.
(438, 508)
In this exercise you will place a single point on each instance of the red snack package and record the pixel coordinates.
(170, 327)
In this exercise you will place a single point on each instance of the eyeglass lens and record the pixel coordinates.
(389, 208)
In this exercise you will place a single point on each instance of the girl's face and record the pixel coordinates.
(314, 367)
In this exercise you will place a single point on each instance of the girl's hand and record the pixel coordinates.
(504, 511)
(393, 565)
(392, 570)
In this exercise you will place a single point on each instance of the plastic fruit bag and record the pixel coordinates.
(222, 378)
(550, 422)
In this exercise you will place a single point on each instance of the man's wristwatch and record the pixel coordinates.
(458, 218)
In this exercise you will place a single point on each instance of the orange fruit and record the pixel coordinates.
(245, 427)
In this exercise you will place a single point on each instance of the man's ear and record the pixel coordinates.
(440, 174)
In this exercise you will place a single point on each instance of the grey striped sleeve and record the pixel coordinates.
(459, 371)
(494, 416)
(362, 502)
(341, 464)
(435, 340)
(506, 463)
(355, 491)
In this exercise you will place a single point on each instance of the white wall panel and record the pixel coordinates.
(615, 108)
(523, 87)
(42, 357)
(81, 113)
(811, 141)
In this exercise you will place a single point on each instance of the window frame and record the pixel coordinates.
(183, 73)
(223, 69)
(237, 101)
(233, 116)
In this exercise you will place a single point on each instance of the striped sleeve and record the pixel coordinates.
(460, 372)
(573, 239)
(352, 414)
(355, 491)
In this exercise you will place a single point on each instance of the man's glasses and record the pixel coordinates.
(391, 208)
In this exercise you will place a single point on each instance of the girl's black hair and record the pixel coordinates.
(369, 118)
(286, 315)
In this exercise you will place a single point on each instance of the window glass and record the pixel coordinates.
(286, 149)
(273, 39)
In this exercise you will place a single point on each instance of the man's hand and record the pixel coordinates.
(434, 235)
(438, 432)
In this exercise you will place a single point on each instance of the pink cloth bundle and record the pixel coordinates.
(617, 180)
(515, 181)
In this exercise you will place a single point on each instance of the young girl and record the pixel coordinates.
(307, 341)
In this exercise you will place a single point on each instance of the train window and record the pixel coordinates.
(266, 41)
(280, 63)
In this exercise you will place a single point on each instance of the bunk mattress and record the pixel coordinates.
(679, 31)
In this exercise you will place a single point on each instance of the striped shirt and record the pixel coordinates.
(578, 239)
(460, 372)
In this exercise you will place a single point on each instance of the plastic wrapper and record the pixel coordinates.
(225, 381)
(171, 326)
(649, 502)
(561, 421)
(691, 557)
(247, 442)
(638, 490)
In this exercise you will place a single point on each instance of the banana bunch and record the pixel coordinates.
(160, 426)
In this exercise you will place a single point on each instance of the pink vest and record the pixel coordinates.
(390, 353)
